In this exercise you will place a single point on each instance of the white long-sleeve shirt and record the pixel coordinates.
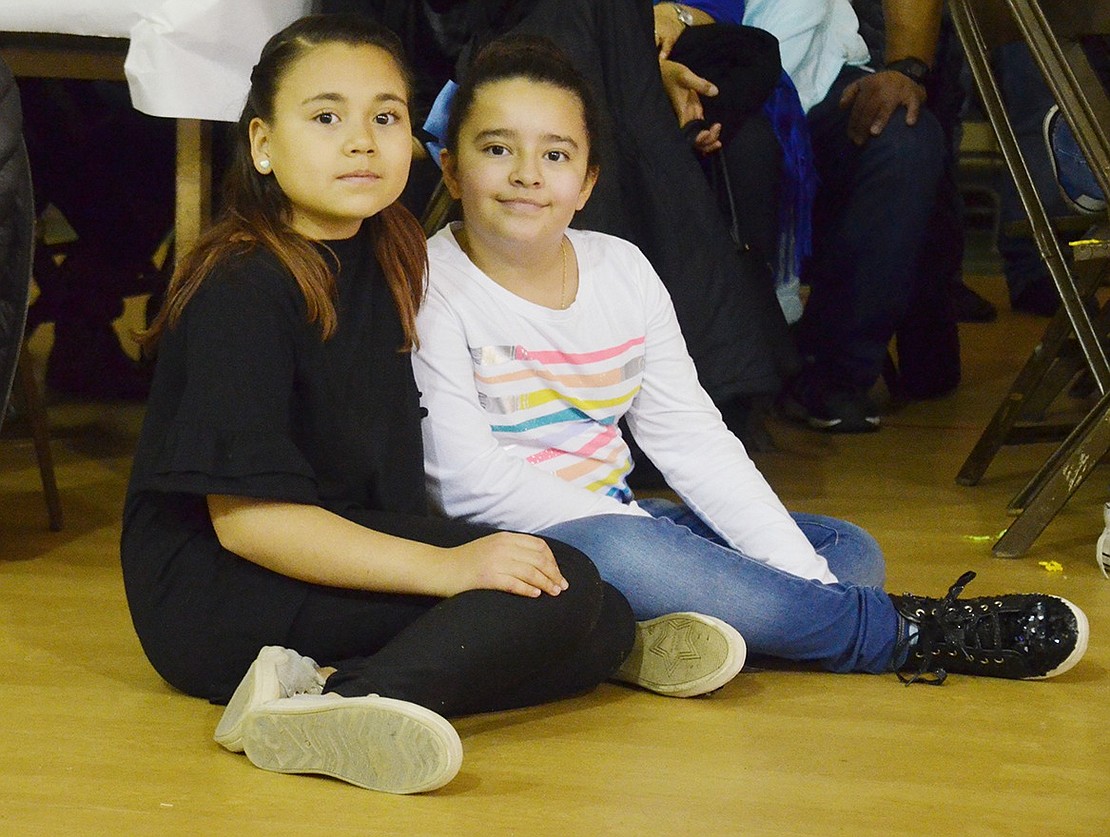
(524, 401)
(816, 39)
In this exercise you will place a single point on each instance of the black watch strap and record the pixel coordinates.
(912, 68)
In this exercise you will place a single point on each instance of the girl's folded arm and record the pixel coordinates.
(312, 544)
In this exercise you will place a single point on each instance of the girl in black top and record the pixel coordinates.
(277, 493)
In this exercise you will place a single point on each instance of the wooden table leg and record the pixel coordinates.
(192, 211)
(40, 433)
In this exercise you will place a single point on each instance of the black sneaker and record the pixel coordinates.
(1040, 298)
(832, 412)
(969, 306)
(1020, 636)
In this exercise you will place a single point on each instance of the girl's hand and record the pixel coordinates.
(506, 561)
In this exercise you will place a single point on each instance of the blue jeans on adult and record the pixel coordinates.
(673, 562)
(874, 204)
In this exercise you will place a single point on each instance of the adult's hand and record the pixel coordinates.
(667, 28)
(685, 88)
(873, 100)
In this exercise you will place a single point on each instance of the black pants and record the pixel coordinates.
(478, 651)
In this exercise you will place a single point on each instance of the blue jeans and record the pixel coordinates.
(674, 562)
(872, 211)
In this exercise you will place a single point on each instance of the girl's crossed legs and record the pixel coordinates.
(674, 561)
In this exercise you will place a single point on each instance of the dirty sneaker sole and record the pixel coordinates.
(262, 684)
(683, 655)
(373, 742)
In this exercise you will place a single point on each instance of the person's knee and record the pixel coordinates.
(576, 608)
(910, 153)
(575, 566)
(869, 565)
(852, 552)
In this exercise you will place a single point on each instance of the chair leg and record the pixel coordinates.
(1013, 407)
(40, 431)
(1058, 480)
(1035, 386)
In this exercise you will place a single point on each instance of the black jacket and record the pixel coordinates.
(652, 190)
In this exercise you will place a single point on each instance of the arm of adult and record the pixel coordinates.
(912, 29)
(669, 26)
(685, 88)
(312, 544)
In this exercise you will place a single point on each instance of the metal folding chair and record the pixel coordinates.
(1073, 338)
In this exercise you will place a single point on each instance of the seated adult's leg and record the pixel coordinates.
(873, 206)
(928, 339)
(1027, 98)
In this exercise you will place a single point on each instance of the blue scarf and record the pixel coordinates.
(799, 182)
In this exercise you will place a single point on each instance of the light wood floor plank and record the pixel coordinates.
(95, 743)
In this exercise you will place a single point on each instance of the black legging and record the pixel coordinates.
(478, 651)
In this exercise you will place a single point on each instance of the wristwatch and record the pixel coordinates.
(684, 16)
(912, 68)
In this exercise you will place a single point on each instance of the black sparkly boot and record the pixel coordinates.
(1020, 636)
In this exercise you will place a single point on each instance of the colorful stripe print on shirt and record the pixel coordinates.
(559, 410)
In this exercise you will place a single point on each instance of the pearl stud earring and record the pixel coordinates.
(264, 165)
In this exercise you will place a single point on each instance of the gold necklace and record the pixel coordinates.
(563, 290)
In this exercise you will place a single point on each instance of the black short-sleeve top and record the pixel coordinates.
(249, 400)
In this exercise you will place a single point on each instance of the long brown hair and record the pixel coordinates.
(257, 213)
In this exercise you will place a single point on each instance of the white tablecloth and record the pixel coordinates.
(187, 58)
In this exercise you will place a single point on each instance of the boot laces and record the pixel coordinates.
(944, 625)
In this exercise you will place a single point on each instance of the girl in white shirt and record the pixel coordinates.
(535, 340)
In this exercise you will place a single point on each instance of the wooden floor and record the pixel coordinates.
(93, 742)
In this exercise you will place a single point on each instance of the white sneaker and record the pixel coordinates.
(275, 673)
(373, 742)
(683, 654)
(1102, 548)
